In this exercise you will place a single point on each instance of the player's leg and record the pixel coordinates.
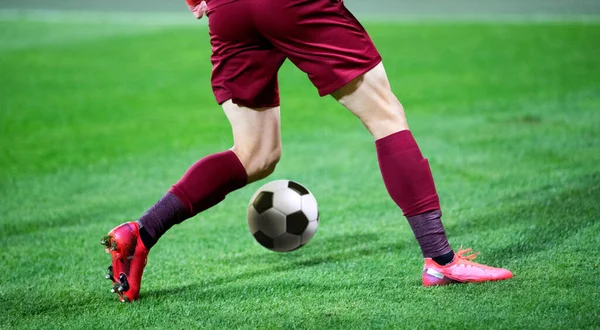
(256, 151)
(244, 81)
(256, 138)
(405, 171)
(326, 41)
(408, 179)
(372, 91)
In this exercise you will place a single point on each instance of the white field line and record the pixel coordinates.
(186, 18)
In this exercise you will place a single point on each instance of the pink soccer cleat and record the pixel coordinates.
(461, 270)
(128, 260)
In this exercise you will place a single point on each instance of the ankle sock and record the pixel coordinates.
(444, 259)
(429, 232)
(168, 211)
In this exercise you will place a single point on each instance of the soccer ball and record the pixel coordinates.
(283, 215)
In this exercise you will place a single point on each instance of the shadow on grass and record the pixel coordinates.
(541, 217)
(341, 249)
(552, 218)
(338, 249)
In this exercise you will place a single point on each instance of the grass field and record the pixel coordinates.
(97, 120)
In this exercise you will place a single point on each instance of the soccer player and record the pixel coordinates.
(250, 41)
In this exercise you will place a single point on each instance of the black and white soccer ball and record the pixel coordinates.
(283, 215)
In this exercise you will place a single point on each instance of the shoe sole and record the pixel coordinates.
(120, 285)
(433, 278)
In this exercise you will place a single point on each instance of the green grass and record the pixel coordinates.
(97, 121)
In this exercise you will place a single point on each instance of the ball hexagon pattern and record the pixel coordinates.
(272, 222)
(283, 215)
(296, 223)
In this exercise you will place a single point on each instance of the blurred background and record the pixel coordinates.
(365, 7)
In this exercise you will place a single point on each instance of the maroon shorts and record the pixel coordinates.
(252, 38)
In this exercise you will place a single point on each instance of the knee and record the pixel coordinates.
(371, 99)
(259, 162)
(390, 120)
(383, 100)
(267, 163)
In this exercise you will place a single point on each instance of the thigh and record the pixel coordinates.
(321, 37)
(370, 98)
(245, 64)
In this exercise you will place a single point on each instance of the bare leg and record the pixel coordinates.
(405, 172)
(256, 138)
(409, 181)
(370, 98)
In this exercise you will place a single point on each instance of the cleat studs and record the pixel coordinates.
(124, 285)
(112, 290)
(105, 241)
(109, 273)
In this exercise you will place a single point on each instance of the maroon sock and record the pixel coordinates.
(207, 182)
(409, 182)
(204, 185)
(406, 174)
